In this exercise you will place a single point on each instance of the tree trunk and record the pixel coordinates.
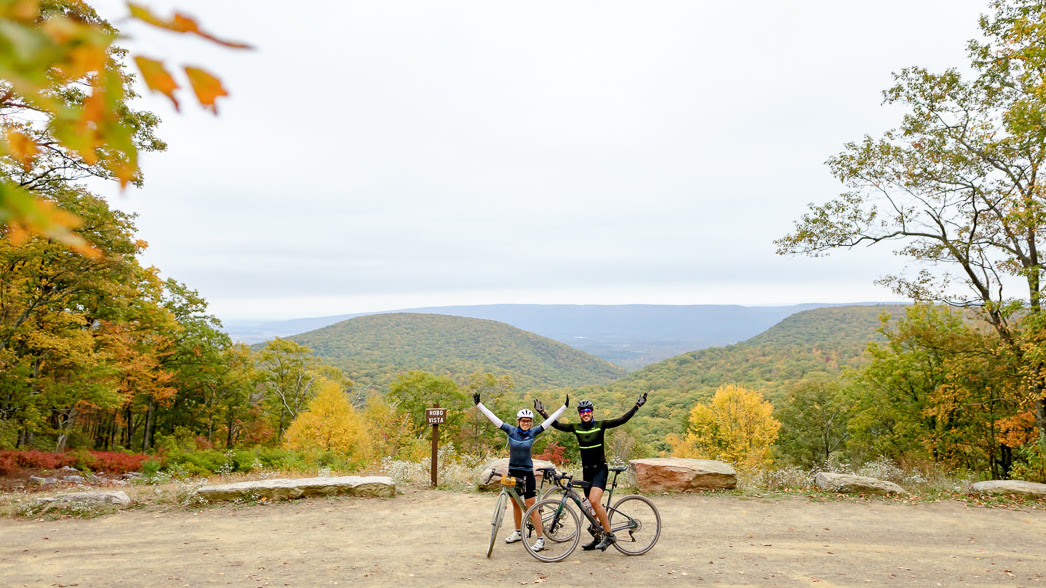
(150, 422)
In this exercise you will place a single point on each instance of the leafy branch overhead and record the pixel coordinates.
(956, 186)
(64, 112)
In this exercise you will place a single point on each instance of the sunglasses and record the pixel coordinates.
(585, 411)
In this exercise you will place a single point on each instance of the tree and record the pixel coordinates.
(939, 390)
(288, 372)
(737, 426)
(814, 417)
(413, 392)
(64, 110)
(392, 433)
(956, 186)
(53, 299)
(330, 423)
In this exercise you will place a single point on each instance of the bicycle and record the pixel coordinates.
(509, 485)
(633, 515)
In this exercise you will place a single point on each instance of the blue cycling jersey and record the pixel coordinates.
(519, 444)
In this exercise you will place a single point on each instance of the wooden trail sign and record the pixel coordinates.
(435, 416)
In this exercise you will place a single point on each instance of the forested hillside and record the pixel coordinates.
(373, 349)
(630, 335)
(823, 340)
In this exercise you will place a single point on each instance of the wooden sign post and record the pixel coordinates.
(435, 416)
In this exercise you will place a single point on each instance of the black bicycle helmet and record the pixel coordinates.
(584, 404)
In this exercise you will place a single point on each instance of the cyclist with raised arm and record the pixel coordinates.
(590, 435)
(520, 464)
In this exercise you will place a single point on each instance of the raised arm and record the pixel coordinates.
(551, 421)
(486, 412)
(610, 424)
(540, 409)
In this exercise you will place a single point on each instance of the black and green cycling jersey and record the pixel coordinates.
(590, 436)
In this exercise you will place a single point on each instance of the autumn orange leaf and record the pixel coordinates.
(21, 147)
(207, 87)
(157, 77)
(180, 23)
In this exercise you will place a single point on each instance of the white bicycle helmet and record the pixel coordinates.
(524, 413)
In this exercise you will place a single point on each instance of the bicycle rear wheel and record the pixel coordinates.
(495, 523)
(559, 522)
(636, 523)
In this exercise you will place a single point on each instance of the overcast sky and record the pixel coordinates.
(395, 154)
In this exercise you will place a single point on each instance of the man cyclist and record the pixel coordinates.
(590, 438)
(520, 465)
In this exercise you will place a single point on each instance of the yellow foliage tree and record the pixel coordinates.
(331, 423)
(737, 426)
(393, 433)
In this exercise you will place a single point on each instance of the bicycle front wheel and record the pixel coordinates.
(636, 523)
(555, 494)
(558, 522)
(495, 523)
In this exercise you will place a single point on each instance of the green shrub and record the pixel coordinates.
(274, 458)
(245, 461)
(151, 467)
(1031, 466)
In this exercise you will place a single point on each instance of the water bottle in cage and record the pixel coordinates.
(588, 507)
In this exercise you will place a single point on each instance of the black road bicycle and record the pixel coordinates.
(634, 520)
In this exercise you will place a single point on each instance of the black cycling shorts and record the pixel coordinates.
(597, 475)
(530, 484)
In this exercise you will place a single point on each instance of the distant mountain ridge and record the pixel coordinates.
(824, 341)
(374, 349)
(630, 335)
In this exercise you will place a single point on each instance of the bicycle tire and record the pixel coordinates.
(562, 521)
(554, 492)
(557, 495)
(495, 523)
(636, 523)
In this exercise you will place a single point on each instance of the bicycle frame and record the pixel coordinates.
(574, 496)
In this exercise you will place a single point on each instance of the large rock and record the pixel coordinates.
(850, 484)
(118, 498)
(676, 474)
(1010, 487)
(298, 488)
(500, 465)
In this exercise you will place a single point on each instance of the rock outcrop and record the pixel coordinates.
(379, 486)
(675, 474)
(119, 499)
(1010, 487)
(481, 473)
(851, 484)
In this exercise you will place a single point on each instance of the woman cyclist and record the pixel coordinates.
(520, 465)
(590, 438)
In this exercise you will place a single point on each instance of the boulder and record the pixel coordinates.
(501, 467)
(1010, 487)
(676, 474)
(850, 484)
(380, 486)
(42, 481)
(117, 498)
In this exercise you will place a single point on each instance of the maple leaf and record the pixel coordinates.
(157, 77)
(207, 87)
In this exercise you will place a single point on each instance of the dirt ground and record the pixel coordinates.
(438, 538)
